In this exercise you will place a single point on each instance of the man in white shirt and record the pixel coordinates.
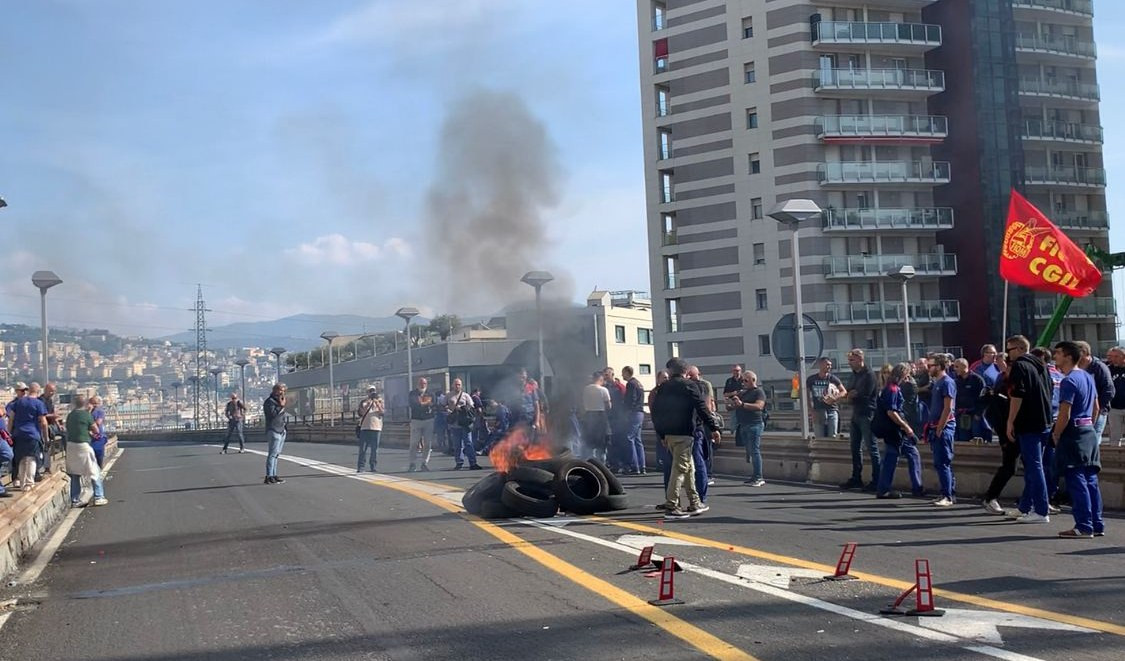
(370, 413)
(595, 417)
(460, 415)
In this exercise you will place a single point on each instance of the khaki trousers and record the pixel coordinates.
(683, 472)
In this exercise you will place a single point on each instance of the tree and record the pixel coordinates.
(444, 325)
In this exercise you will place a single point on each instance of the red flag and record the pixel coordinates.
(1037, 255)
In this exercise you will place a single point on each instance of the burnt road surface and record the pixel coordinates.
(196, 558)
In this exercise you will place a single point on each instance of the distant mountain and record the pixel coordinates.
(296, 333)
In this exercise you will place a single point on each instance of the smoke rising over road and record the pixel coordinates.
(497, 174)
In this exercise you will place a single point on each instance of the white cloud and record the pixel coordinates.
(338, 250)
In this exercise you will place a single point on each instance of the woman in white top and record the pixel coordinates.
(595, 417)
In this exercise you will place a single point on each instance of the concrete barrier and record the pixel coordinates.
(784, 456)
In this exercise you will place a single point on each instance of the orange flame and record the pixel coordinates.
(518, 447)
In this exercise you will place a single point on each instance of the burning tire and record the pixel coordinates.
(615, 488)
(529, 500)
(494, 509)
(529, 475)
(579, 487)
(488, 488)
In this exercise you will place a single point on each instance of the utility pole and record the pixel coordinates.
(201, 329)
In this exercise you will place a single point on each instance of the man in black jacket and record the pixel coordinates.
(1103, 382)
(1029, 422)
(634, 414)
(674, 409)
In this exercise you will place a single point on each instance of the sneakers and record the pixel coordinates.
(1075, 533)
(756, 483)
(1032, 517)
(993, 507)
(889, 495)
(273, 479)
(458, 467)
(676, 514)
(711, 482)
(1014, 514)
(241, 451)
(698, 509)
(100, 501)
(852, 484)
(1051, 509)
(1102, 533)
(76, 503)
(943, 502)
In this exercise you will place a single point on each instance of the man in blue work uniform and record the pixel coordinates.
(942, 426)
(988, 370)
(1075, 438)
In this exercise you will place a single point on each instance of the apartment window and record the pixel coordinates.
(755, 163)
(660, 55)
(644, 369)
(761, 299)
(756, 208)
(659, 13)
(673, 315)
(674, 349)
(751, 118)
(671, 272)
(759, 254)
(748, 72)
(764, 345)
(665, 145)
(619, 334)
(666, 194)
(663, 101)
(644, 336)
(668, 223)
(747, 28)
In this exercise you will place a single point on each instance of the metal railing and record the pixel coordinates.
(1064, 175)
(1085, 7)
(1055, 130)
(882, 125)
(885, 312)
(1084, 91)
(880, 79)
(1093, 306)
(868, 266)
(890, 172)
(1062, 45)
(1092, 220)
(939, 218)
(844, 32)
(669, 238)
(671, 280)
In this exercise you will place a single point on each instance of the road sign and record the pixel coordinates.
(783, 341)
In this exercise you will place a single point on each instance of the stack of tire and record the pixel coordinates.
(542, 489)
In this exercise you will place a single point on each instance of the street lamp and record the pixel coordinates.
(537, 279)
(328, 336)
(904, 273)
(406, 314)
(791, 213)
(215, 372)
(44, 280)
(277, 351)
(242, 363)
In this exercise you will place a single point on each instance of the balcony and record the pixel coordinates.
(892, 172)
(1037, 130)
(1069, 90)
(1090, 221)
(1093, 307)
(1052, 11)
(1064, 176)
(907, 129)
(901, 36)
(877, 266)
(669, 238)
(850, 81)
(866, 314)
(882, 220)
(1046, 46)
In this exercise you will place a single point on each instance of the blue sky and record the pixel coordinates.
(281, 152)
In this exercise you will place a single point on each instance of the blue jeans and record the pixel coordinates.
(368, 442)
(860, 436)
(635, 449)
(234, 427)
(906, 449)
(942, 443)
(76, 488)
(275, 441)
(1034, 480)
(462, 445)
(827, 422)
(1099, 424)
(751, 437)
(5, 458)
(701, 475)
(1085, 499)
(664, 458)
(1050, 473)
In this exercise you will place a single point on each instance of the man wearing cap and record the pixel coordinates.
(236, 413)
(370, 413)
(29, 428)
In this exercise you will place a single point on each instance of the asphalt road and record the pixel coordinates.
(196, 558)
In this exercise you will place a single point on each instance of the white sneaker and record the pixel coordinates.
(1014, 514)
(101, 501)
(993, 507)
(1051, 509)
(1032, 517)
(943, 502)
(758, 483)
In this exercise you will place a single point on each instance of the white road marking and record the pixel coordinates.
(899, 625)
(641, 541)
(779, 577)
(982, 625)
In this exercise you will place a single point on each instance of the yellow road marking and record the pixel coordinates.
(689, 633)
(994, 604)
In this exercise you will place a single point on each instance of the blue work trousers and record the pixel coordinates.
(942, 445)
(1085, 499)
(891, 453)
(1034, 479)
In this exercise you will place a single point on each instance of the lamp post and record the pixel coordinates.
(242, 363)
(277, 351)
(44, 280)
(537, 279)
(406, 314)
(790, 214)
(903, 274)
(328, 336)
(215, 372)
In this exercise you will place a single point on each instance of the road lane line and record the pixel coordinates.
(897, 584)
(701, 640)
